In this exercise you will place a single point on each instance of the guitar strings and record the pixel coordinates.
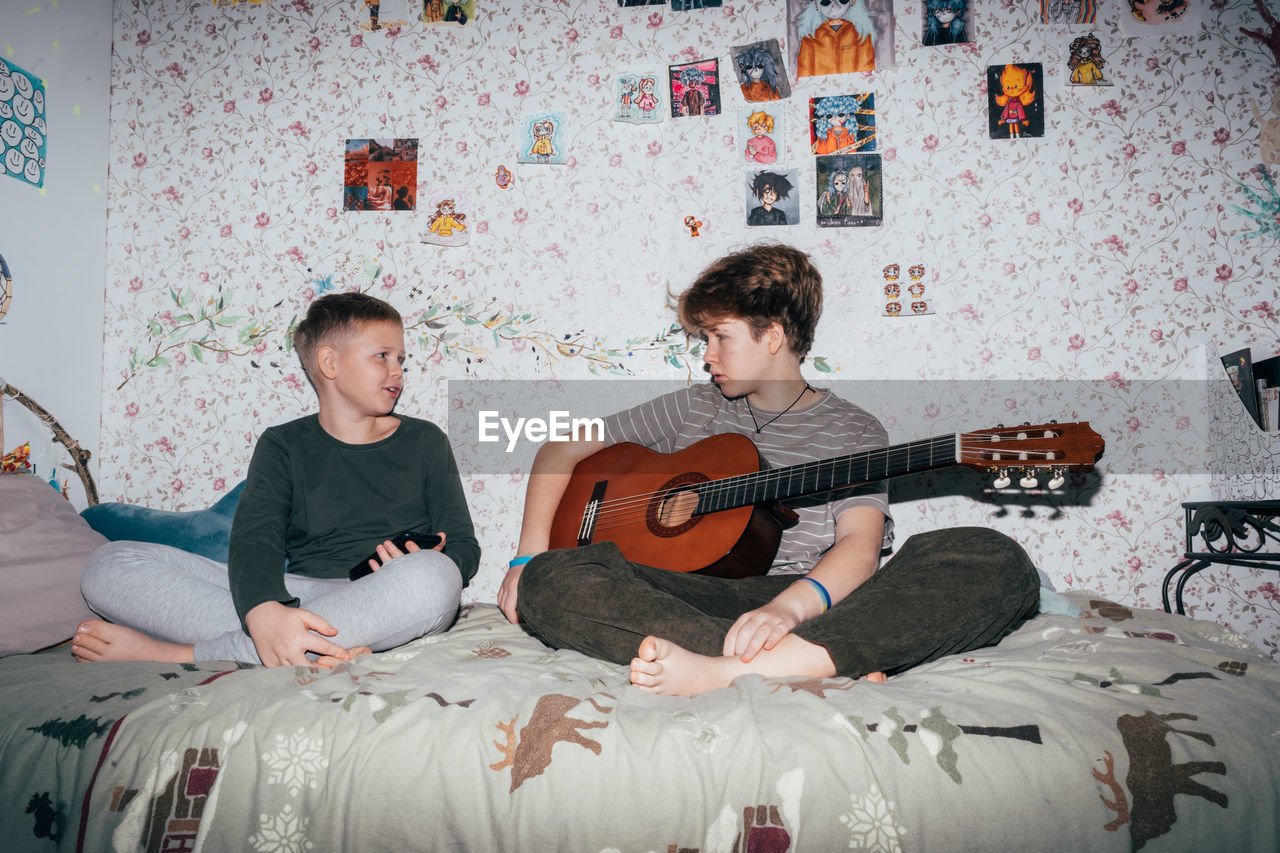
(632, 508)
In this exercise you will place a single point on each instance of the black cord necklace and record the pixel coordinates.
(760, 426)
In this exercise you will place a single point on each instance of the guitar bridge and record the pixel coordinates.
(591, 514)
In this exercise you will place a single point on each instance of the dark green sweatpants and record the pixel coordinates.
(944, 592)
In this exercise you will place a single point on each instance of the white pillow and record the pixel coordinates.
(44, 547)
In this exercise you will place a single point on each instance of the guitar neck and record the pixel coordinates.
(806, 478)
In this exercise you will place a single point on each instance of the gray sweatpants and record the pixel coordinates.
(179, 597)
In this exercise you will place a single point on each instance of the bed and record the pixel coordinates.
(1115, 729)
(1095, 726)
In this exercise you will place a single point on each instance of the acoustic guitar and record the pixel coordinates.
(714, 508)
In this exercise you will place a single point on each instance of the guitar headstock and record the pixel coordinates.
(1057, 447)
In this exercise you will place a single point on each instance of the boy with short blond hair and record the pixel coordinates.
(825, 608)
(322, 493)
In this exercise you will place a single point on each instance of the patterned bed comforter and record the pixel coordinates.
(1118, 730)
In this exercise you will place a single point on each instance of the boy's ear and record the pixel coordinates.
(327, 361)
(776, 337)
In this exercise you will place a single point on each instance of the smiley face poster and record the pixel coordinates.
(23, 132)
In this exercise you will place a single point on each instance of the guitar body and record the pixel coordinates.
(645, 518)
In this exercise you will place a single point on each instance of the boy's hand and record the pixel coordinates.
(283, 635)
(388, 551)
(758, 630)
(507, 594)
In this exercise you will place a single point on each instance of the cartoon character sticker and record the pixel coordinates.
(911, 300)
(945, 22)
(543, 140)
(762, 130)
(770, 198)
(840, 36)
(649, 103)
(695, 88)
(1015, 105)
(23, 132)
(446, 220)
(840, 124)
(1085, 62)
(634, 98)
(850, 190)
(761, 72)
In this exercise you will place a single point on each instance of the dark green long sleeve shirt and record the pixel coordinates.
(318, 505)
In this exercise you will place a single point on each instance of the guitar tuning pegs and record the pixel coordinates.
(1058, 478)
(1002, 480)
(1028, 480)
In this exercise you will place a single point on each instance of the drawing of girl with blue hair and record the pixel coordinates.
(944, 22)
(842, 123)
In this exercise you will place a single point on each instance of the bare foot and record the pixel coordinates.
(329, 661)
(96, 640)
(661, 666)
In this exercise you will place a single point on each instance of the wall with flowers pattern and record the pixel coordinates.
(1117, 250)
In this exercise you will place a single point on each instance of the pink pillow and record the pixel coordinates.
(44, 547)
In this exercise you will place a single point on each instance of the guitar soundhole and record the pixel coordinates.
(669, 512)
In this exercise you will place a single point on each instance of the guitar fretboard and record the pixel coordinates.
(806, 478)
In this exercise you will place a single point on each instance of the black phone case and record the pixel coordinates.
(424, 541)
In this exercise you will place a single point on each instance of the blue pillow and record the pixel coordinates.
(206, 532)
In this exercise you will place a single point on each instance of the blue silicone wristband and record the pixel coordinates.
(822, 590)
(519, 561)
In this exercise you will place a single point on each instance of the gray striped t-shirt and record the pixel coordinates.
(831, 427)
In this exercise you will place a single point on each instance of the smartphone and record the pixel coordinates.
(425, 541)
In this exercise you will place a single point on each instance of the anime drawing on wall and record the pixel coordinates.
(22, 124)
(543, 140)
(440, 12)
(1160, 17)
(771, 200)
(687, 5)
(761, 72)
(1015, 104)
(380, 174)
(446, 224)
(695, 88)
(850, 190)
(762, 128)
(839, 124)
(1085, 62)
(916, 302)
(1068, 11)
(945, 22)
(840, 36)
(634, 98)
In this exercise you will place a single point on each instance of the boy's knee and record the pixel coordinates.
(102, 572)
(428, 577)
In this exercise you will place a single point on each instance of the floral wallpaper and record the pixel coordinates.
(1122, 249)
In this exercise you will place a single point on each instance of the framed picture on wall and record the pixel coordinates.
(1239, 367)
